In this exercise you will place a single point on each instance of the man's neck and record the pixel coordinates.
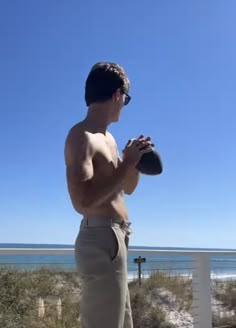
(97, 119)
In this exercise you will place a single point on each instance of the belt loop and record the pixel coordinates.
(87, 223)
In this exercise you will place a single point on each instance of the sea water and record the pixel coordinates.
(222, 266)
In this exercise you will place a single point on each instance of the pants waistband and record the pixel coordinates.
(104, 222)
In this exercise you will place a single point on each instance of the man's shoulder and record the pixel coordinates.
(77, 134)
(110, 136)
(78, 141)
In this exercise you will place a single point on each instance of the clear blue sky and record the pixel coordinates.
(181, 60)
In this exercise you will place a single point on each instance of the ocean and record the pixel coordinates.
(222, 266)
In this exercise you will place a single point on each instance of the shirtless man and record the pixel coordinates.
(97, 179)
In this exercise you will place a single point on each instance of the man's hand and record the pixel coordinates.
(134, 150)
(146, 142)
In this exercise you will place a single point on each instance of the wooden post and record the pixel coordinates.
(139, 260)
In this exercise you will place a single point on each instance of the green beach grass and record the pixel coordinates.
(21, 291)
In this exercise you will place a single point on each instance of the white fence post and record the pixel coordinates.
(41, 308)
(59, 309)
(202, 313)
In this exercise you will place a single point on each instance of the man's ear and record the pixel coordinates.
(116, 95)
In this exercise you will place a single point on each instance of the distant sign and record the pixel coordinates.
(140, 260)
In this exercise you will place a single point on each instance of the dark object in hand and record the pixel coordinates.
(150, 163)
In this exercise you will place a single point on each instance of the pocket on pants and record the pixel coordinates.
(114, 245)
(127, 241)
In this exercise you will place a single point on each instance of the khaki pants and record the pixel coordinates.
(101, 256)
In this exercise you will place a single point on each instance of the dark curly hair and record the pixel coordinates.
(103, 80)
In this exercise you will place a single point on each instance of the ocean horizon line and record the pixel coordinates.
(52, 245)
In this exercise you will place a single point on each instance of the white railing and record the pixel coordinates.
(200, 274)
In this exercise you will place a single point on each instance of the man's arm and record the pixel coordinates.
(132, 175)
(131, 179)
(90, 193)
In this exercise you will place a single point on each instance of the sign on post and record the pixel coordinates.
(139, 260)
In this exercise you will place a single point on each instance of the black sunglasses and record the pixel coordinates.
(127, 98)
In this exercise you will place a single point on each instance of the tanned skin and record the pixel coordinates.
(97, 178)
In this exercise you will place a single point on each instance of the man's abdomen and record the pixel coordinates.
(114, 208)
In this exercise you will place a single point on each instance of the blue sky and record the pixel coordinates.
(180, 58)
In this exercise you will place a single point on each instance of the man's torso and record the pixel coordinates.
(105, 161)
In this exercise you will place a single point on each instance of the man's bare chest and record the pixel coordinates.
(105, 159)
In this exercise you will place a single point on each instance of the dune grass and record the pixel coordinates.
(21, 290)
(225, 293)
